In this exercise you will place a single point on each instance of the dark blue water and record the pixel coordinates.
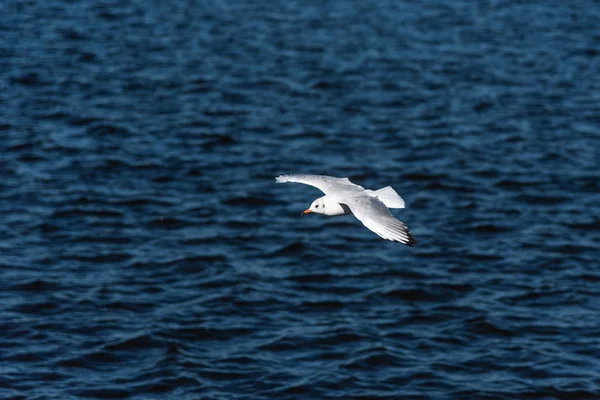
(147, 253)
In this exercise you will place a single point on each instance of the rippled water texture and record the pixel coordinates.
(146, 251)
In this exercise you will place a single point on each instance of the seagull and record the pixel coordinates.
(371, 207)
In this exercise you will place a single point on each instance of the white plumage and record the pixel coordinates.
(369, 206)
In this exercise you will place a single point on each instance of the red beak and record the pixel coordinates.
(306, 212)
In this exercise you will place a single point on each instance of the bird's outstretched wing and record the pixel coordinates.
(326, 184)
(376, 217)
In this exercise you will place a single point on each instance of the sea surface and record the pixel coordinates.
(146, 251)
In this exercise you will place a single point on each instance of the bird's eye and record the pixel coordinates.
(317, 206)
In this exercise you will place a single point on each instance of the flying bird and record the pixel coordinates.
(371, 207)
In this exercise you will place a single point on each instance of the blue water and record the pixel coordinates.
(147, 253)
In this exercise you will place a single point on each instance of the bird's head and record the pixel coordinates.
(318, 206)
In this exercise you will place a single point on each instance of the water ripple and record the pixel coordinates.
(146, 251)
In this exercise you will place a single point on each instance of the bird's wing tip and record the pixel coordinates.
(412, 242)
(409, 241)
(281, 179)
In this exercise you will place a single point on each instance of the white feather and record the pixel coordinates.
(369, 206)
(388, 196)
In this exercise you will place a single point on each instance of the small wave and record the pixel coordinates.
(291, 249)
(482, 326)
(38, 285)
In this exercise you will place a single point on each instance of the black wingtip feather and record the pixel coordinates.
(412, 242)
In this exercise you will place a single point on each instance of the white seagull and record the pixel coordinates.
(369, 206)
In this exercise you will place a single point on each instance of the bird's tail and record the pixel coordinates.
(388, 196)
